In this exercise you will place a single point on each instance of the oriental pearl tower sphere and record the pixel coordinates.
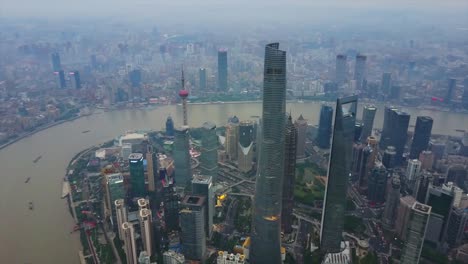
(183, 95)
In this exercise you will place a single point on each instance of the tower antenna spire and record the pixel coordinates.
(183, 95)
(183, 79)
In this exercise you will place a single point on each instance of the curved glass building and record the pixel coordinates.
(266, 225)
(209, 150)
(338, 173)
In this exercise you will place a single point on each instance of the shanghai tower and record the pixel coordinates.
(266, 225)
(338, 173)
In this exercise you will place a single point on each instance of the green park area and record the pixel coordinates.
(370, 258)
(308, 188)
(353, 224)
(243, 219)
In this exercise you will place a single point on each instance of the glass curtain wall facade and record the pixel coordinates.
(181, 154)
(222, 71)
(209, 151)
(338, 173)
(266, 225)
(422, 135)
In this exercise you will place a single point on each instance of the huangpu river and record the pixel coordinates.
(43, 235)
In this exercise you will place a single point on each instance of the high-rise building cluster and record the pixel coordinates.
(165, 193)
(412, 180)
(240, 143)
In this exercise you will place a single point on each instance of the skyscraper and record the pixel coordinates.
(56, 65)
(245, 147)
(169, 127)
(222, 70)
(399, 134)
(130, 243)
(357, 131)
(386, 83)
(427, 159)
(135, 85)
(142, 203)
(416, 231)
(441, 200)
(395, 92)
(421, 137)
(76, 79)
(457, 173)
(412, 172)
(452, 84)
(456, 226)
(338, 171)
(301, 127)
(232, 137)
(202, 79)
(395, 131)
(404, 209)
(464, 145)
(115, 190)
(387, 123)
(135, 77)
(203, 186)
(209, 150)
(192, 223)
(438, 148)
(368, 115)
(465, 94)
(340, 69)
(363, 160)
(360, 70)
(266, 225)
(325, 127)
(391, 203)
(171, 208)
(422, 185)
(137, 175)
(357, 160)
(151, 169)
(457, 193)
(121, 216)
(389, 157)
(146, 228)
(62, 83)
(289, 176)
(181, 154)
(377, 185)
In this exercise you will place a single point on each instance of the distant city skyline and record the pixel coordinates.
(204, 157)
(208, 13)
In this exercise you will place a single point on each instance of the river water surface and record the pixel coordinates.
(43, 235)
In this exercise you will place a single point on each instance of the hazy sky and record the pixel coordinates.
(212, 12)
(64, 8)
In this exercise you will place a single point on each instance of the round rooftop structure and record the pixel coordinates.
(183, 93)
(363, 244)
(234, 120)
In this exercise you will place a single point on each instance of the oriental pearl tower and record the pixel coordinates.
(183, 95)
